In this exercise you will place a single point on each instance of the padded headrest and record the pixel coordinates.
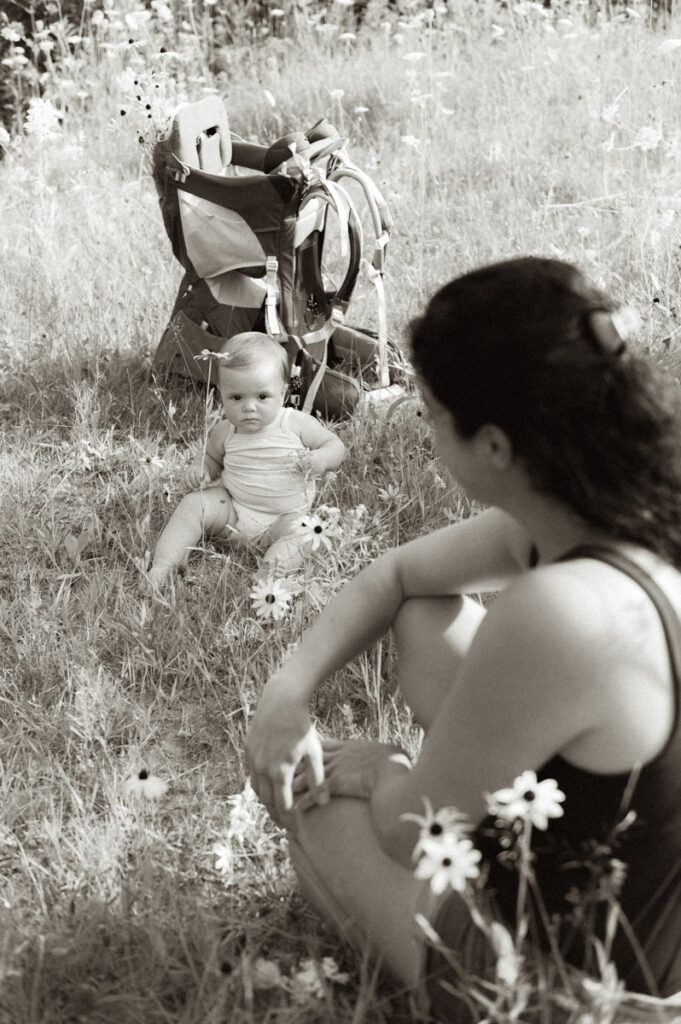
(283, 149)
(200, 137)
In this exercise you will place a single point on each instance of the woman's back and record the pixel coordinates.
(615, 822)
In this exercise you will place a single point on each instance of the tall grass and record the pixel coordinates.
(491, 130)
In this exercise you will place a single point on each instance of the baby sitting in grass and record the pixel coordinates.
(255, 477)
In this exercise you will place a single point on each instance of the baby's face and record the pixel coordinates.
(252, 397)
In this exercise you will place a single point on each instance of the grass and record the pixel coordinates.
(493, 132)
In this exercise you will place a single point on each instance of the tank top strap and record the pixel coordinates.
(668, 614)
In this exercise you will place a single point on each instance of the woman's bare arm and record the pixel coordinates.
(483, 552)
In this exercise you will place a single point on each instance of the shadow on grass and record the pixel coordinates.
(96, 963)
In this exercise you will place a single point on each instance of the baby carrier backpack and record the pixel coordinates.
(248, 223)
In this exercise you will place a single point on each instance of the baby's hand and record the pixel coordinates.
(197, 476)
(312, 465)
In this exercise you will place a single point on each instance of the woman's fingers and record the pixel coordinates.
(282, 792)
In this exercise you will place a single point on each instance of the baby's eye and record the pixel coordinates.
(263, 396)
(234, 398)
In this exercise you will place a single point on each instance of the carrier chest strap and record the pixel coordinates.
(273, 324)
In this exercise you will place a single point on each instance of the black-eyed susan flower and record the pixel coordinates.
(313, 532)
(448, 862)
(527, 800)
(144, 786)
(271, 599)
(434, 825)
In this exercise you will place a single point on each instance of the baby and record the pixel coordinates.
(263, 457)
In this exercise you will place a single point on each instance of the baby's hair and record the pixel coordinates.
(531, 346)
(251, 348)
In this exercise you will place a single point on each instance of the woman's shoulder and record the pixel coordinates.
(565, 606)
(581, 621)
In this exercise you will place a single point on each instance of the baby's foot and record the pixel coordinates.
(157, 576)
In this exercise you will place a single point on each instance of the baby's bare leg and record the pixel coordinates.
(199, 514)
(287, 549)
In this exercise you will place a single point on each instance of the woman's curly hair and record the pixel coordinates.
(528, 345)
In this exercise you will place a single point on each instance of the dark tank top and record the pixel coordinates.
(610, 821)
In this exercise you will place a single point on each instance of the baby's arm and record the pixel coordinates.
(207, 463)
(325, 450)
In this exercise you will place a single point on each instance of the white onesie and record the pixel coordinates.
(263, 474)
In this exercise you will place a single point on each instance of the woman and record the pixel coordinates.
(541, 413)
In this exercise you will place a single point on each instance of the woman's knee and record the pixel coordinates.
(432, 637)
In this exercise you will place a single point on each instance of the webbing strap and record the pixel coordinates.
(377, 207)
(376, 278)
(323, 334)
(272, 322)
(342, 203)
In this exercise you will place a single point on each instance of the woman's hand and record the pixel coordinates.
(282, 740)
(351, 769)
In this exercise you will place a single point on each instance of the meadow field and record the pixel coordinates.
(140, 880)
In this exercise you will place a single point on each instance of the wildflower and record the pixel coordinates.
(4, 137)
(42, 119)
(508, 961)
(337, 94)
(313, 532)
(434, 825)
(152, 460)
(448, 862)
(391, 493)
(309, 979)
(265, 974)
(647, 138)
(414, 57)
(270, 599)
(332, 973)
(224, 859)
(144, 786)
(13, 32)
(527, 800)
(163, 12)
(244, 807)
(347, 37)
(277, 12)
(665, 47)
(410, 140)
(360, 110)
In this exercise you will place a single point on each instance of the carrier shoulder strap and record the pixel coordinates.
(341, 167)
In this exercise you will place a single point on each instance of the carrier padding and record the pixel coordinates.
(200, 137)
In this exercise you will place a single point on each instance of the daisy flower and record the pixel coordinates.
(266, 974)
(243, 813)
(527, 800)
(224, 859)
(270, 599)
(434, 825)
(313, 532)
(448, 862)
(307, 981)
(144, 786)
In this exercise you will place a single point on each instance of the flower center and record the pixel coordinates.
(270, 599)
(435, 829)
(144, 774)
(529, 795)
(317, 529)
(446, 862)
